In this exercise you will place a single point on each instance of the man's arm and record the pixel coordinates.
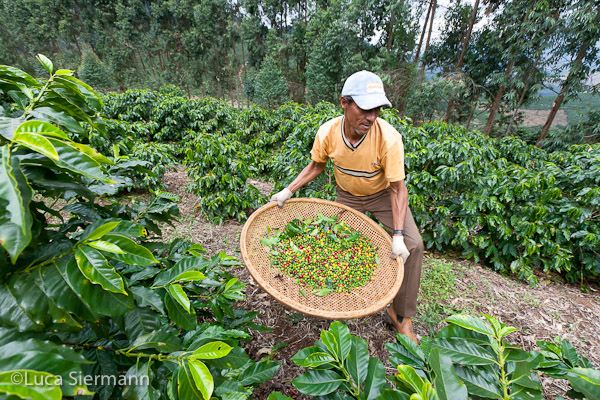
(310, 172)
(399, 199)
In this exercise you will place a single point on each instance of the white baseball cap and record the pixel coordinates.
(366, 90)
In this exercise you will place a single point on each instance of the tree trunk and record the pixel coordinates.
(497, 99)
(461, 57)
(418, 53)
(561, 96)
(433, 8)
(390, 39)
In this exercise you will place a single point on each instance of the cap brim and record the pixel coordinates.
(370, 101)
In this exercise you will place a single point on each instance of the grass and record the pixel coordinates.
(438, 280)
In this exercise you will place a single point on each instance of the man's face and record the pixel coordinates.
(359, 120)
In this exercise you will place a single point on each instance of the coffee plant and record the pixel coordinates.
(92, 302)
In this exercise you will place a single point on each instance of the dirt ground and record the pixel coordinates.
(538, 117)
(544, 312)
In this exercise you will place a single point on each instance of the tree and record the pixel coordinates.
(271, 88)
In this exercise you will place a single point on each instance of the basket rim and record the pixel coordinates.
(302, 308)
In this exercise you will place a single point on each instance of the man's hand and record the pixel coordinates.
(399, 248)
(282, 196)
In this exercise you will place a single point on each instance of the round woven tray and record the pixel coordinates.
(360, 302)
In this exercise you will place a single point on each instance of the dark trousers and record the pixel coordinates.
(380, 205)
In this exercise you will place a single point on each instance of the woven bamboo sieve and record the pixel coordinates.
(360, 302)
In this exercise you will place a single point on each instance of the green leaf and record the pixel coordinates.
(41, 128)
(140, 377)
(342, 336)
(11, 312)
(318, 382)
(191, 276)
(409, 378)
(375, 379)
(393, 394)
(258, 372)
(99, 300)
(186, 386)
(317, 359)
(97, 270)
(184, 265)
(330, 342)
(140, 321)
(45, 62)
(278, 396)
(201, 377)
(135, 254)
(147, 297)
(178, 294)
(59, 118)
(471, 323)
(212, 350)
(586, 381)
(15, 196)
(447, 384)
(480, 382)
(465, 352)
(102, 230)
(357, 360)
(37, 143)
(300, 357)
(106, 246)
(182, 317)
(25, 384)
(322, 292)
(71, 158)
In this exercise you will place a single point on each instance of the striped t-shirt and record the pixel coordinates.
(368, 166)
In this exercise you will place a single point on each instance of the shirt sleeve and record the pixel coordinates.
(393, 160)
(320, 149)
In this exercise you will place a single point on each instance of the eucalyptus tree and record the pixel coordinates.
(581, 45)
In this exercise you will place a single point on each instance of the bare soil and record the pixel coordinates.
(551, 309)
(538, 117)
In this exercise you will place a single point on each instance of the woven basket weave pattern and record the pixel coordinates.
(360, 302)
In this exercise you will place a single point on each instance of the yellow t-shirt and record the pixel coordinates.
(368, 166)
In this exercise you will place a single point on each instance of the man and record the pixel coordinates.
(368, 156)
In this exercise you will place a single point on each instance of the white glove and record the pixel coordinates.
(399, 248)
(282, 196)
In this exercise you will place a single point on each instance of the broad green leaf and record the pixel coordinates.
(147, 297)
(412, 347)
(8, 126)
(25, 384)
(212, 350)
(15, 74)
(236, 358)
(140, 377)
(71, 158)
(393, 394)
(342, 337)
(191, 276)
(317, 359)
(318, 382)
(447, 384)
(41, 128)
(186, 386)
(11, 312)
(97, 270)
(99, 300)
(56, 285)
(586, 381)
(102, 230)
(300, 357)
(37, 143)
(140, 321)
(15, 216)
(278, 396)
(465, 352)
(480, 382)
(106, 246)
(569, 352)
(135, 254)
(178, 294)
(57, 117)
(375, 379)
(258, 372)
(92, 153)
(184, 265)
(472, 323)
(46, 63)
(330, 342)
(409, 378)
(182, 317)
(202, 378)
(357, 359)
